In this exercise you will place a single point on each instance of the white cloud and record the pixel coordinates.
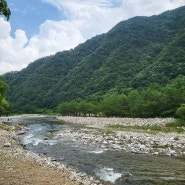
(148, 8)
(17, 53)
(11, 48)
(83, 19)
(56, 36)
(4, 29)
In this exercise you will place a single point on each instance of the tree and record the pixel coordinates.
(153, 104)
(4, 107)
(4, 10)
(3, 88)
(3, 103)
(174, 95)
(180, 113)
(114, 105)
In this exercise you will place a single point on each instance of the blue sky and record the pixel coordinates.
(39, 28)
(28, 15)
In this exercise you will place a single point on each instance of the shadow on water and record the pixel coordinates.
(118, 167)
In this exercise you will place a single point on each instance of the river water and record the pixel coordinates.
(117, 167)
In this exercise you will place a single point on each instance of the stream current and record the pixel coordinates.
(118, 167)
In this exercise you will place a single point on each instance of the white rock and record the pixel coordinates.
(142, 147)
(7, 145)
(172, 152)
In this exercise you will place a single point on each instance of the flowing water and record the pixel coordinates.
(117, 167)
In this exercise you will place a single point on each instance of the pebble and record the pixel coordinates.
(7, 145)
(21, 132)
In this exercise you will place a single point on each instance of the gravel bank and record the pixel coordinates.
(10, 147)
(102, 122)
(172, 144)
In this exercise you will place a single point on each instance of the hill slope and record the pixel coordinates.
(134, 54)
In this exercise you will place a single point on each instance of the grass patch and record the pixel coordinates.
(177, 123)
(109, 132)
(105, 131)
(152, 129)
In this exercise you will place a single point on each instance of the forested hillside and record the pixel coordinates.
(133, 55)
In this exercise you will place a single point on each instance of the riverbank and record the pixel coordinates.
(93, 131)
(19, 166)
(99, 122)
(160, 143)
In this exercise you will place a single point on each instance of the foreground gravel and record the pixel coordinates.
(22, 165)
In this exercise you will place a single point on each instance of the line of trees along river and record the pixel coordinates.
(153, 101)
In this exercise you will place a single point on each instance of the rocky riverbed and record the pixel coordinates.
(99, 122)
(92, 132)
(11, 148)
(172, 144)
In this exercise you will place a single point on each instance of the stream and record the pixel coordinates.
(115, 166)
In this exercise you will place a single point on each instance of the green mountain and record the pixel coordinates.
(132, 55)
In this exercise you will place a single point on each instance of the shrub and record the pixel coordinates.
(178, 123)
(180, 113)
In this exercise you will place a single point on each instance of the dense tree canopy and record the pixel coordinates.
(4, 10)
(153, 101)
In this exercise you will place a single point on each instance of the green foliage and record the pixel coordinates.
(114, 105)
(136, 69)
(4, 10)
(178, 123)
(81, 108)
(3, 88)
(152, 129)
(180, 113)
(45, 111)
(4, 105)
(108, 132)
(153, 101)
